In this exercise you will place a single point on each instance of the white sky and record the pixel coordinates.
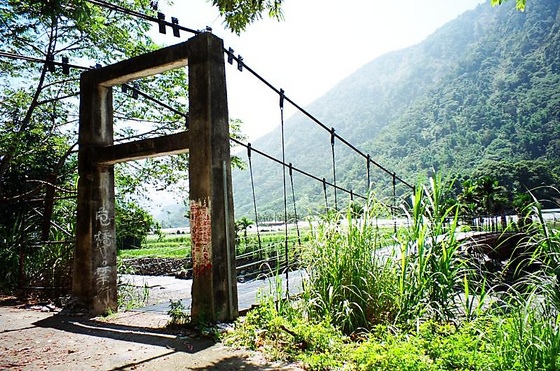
(319, 43)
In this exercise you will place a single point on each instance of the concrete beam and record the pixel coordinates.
(173, 144)
(144, 65)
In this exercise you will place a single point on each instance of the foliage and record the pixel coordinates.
(176, 252)
(520, 4)
(132, 224)
(239, 14)
(350, 275)
(39, 117)
(178, 313)
(284, 335)
(439, 323)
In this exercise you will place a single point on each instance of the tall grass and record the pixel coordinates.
(351, 279)
(416, 300)
(431, 272)
(359, 279)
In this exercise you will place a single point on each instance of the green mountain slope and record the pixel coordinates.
(481, 92)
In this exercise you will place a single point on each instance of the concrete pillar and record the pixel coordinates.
(214, 289)
(95, 259)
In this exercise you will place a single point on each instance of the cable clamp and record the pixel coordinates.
(281, 98)
(230, 55)
(175, 26)
(135, 90)
(50, 63)
(240, 63)
(161, 23)
(65, 67)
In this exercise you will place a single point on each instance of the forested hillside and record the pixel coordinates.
(481, 95)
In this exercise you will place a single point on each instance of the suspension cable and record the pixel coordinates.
(254, 197)
(334, 167)
(368, 163)
(286, 254)
(174, 24)
(294, 202)
(320, 180)
(325, 193)
(160, 20)
(242, 65)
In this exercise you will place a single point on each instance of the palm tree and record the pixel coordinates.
(242, 225)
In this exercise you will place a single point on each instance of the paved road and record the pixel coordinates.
(162, 289)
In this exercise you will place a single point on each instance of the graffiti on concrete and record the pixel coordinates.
(201, 235)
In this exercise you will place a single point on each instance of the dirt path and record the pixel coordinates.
(35, 340)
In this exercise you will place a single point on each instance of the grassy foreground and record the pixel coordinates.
(416, 302)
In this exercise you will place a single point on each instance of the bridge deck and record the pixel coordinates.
(163, 289)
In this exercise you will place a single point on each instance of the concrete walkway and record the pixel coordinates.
(162, 289)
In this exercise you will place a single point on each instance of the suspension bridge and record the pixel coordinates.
(216, 262)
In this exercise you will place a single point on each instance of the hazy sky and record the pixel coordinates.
(319, 43)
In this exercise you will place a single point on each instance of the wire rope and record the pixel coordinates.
(254, 199)
(174, 24)
(294, 202)
(286, 252)
(334, 167)
(325, 193)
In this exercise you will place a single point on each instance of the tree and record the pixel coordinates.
(483, 196)
(239, 14)
(520, 4)
(132, 224)
(39, 109)
(242, 225)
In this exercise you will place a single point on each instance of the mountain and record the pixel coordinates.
(480, 94)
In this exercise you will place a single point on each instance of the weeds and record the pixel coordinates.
(130, 296)
(178, 313)
(417, 301)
